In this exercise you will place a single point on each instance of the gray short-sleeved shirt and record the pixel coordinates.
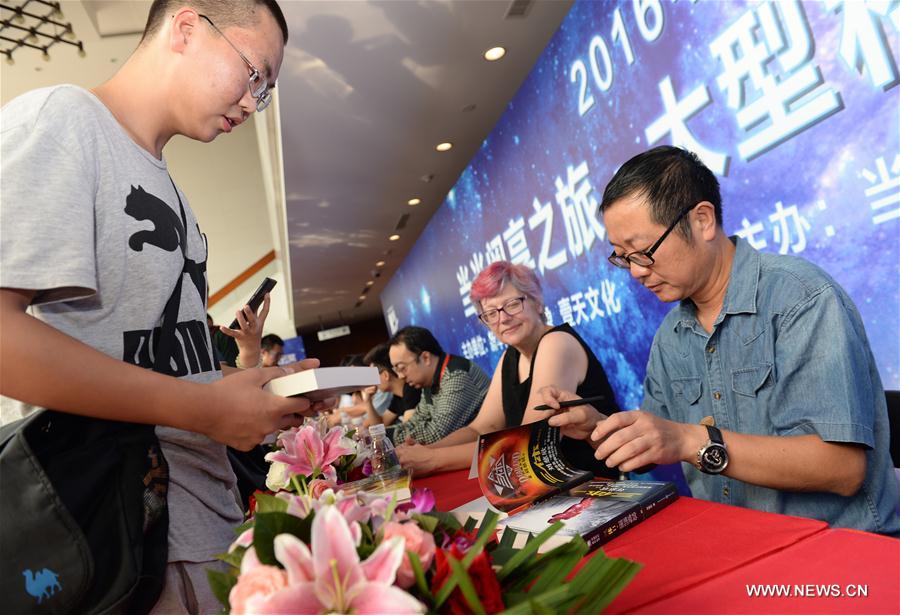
(92, 222)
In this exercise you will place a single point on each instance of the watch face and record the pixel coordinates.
(714, 458)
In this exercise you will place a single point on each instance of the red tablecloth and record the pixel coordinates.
(835, 571)
(698, 556)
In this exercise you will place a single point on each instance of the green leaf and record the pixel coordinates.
(553, 598)
(269, 525)
(243, 527)
(501, 555)
(471, 522)
(426, 522)
(465, 585)
(539, 608)
(420, 576)
(221, 583)
(529, 550)
(557, 564)
(445, 520)
(508, 538)
(234, 558)
(490, 520)
(269, 503)
(601, 579)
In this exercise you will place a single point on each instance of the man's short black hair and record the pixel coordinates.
(380, 357)
(671, 179)
(223, 13)
(268, 342)
(418, 340)
(352, 360)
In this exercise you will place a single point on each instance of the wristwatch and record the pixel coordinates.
(712, 458)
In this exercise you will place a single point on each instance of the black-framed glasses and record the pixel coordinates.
(401, 366)
(644, 258)
(257, 83)
(513, 306)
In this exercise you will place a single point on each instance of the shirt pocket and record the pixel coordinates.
(748, 381)
(685, 390)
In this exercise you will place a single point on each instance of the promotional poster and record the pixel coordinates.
(792, 104)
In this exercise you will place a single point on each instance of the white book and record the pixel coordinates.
(323, 382)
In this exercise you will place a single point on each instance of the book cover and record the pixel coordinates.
(597, 510)
(524, 464)
(523, 472)
(323, 382)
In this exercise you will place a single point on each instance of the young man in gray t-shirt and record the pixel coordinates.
(95, 238)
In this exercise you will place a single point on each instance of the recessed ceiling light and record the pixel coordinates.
(362, 297)
(494, 53)
(414, 201)
(370, 282)
(443, 147)
(379, 264)
(394, 237)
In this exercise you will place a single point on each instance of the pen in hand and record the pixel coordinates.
(573, 402)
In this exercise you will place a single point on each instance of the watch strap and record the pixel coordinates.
(715, 435)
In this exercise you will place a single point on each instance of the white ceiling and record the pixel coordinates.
(366, 91)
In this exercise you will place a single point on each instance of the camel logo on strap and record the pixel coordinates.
(41, 585)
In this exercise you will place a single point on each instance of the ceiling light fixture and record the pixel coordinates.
(494, 53)
(370, 282)
(443, 147)
(394, 237)
(379, 264)
(414, 201)
(362, 297)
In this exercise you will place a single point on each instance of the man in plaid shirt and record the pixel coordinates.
(452, 387)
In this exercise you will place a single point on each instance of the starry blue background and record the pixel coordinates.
(820, 170)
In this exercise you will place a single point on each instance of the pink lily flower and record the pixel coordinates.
(330, 578)
(308, 454)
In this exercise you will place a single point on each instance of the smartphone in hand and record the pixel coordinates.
(256, 298)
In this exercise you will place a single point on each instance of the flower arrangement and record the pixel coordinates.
(311, 548)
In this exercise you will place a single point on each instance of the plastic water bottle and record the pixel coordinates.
(384, 457)
(362, 435)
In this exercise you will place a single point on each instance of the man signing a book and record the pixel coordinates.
(760, 381)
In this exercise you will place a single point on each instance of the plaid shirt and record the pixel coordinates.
(448, 404)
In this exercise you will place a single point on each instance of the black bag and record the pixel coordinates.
(83, 517)
(84, 521)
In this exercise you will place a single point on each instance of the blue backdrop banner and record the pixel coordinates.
(794, 106)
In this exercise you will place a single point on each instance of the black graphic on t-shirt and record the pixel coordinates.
(190, 352)
(168, 231)
(140, 349)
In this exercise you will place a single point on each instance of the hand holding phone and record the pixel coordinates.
(256, 298)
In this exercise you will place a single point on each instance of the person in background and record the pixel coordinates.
(510, 303)
(272, 349)
(403, 397)
(760, 380)
(452, 387)
(97, 237)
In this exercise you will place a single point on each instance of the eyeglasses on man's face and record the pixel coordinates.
(257, 83)
(511, 307)
(400, 367)
(644, 258)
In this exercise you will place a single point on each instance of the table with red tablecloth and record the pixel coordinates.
(704, 557)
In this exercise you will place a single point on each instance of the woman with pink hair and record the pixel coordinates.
(511, 304)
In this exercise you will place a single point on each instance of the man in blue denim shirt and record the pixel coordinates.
(767, 349)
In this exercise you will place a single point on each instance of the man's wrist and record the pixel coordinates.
(695, 436)
(248, 361)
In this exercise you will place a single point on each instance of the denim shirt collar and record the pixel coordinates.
(743, 282)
